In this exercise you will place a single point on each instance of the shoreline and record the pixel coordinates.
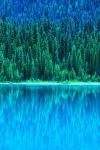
(51, 83)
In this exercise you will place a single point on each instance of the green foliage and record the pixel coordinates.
(46, 51)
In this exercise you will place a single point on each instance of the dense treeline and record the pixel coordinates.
(20, 10)
(47, 51)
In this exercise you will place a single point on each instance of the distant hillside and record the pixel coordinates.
(20, 10)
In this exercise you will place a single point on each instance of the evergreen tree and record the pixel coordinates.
(46, 51)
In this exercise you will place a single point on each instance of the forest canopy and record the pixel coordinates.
(46, 50)
(28, 10)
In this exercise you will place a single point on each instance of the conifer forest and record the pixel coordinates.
(49, 40)
(49, 74)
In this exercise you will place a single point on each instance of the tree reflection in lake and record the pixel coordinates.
(49, 117)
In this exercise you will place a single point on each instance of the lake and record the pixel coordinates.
(47, 117)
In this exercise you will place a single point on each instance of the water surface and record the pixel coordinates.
(49, 117)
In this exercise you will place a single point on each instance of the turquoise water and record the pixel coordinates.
(49, 117)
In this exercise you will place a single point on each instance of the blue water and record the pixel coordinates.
(49, 117)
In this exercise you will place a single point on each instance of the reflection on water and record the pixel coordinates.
(49, 117)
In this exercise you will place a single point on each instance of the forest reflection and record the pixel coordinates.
(49, 115)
